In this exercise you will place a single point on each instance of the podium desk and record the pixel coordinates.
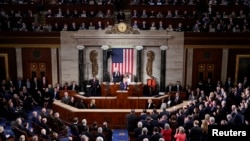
(121, 101)
(110, 89)
(115, 117)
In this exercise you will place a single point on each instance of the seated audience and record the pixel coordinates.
(66, 98)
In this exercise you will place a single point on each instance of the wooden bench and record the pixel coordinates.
(114, 117)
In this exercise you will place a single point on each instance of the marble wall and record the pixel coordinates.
(150, 40)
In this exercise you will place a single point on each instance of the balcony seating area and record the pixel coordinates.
(226, 16)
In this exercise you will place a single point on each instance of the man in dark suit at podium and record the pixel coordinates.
(116, 76)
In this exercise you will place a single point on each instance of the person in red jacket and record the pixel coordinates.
(167, 132)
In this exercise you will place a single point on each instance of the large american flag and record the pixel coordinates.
(123, 60)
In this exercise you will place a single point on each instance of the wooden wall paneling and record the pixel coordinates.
(12, 64)
(211, 58)
(116, 118)
(39, 56)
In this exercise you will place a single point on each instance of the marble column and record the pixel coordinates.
(106, 77)
(163, 69)
(81, 68)
(54, 62)
(138, 77)
(224, 64)
(189, 73)
(19, 62)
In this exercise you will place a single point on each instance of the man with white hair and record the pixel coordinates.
(99, 139)
(66, 98)
(83, 127)
(43, 134)
(116, 76)
(58, 122)
(100, 133)
(84, 138)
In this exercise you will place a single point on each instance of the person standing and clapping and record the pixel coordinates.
(180, 134)
(116, 76)
(151, 83)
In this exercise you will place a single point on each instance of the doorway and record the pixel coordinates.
(206, 71)
(38, 70)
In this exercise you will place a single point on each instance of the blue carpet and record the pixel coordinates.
(120, 135)
(6, 125)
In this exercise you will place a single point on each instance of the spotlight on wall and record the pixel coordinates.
(139, 47)
(105, 47)
(80, 47)
(164, 47)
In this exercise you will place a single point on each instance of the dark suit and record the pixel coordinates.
(65, 87)
(123, 86)
(74, 130)
(56, 96)
(116, 76)
(19, 84)
(169, 88)
(131, 122)
(143, 136)
(66, 100)
(177, 88)
(245, 84)
(137, 132)
(108, 132)
(155, 137)
(195, 133)
(228, 84)
(35, 85)
(44, 84)
(150, 106)
(94, 87)
(177, 100)
(74, 87)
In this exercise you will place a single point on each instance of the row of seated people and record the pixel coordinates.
(54, 24)
(187, 2)
(40, 124)
(82, 2)
(45, 124)
(90, 131)
(193, 26)
(79, 103)
(16, 13)
(59, 2)
(78, 14)
(80, 25)
(178, 25)
(57, 11)
(33, 8)
(192, 13)
(79, 11)
(22, 96)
